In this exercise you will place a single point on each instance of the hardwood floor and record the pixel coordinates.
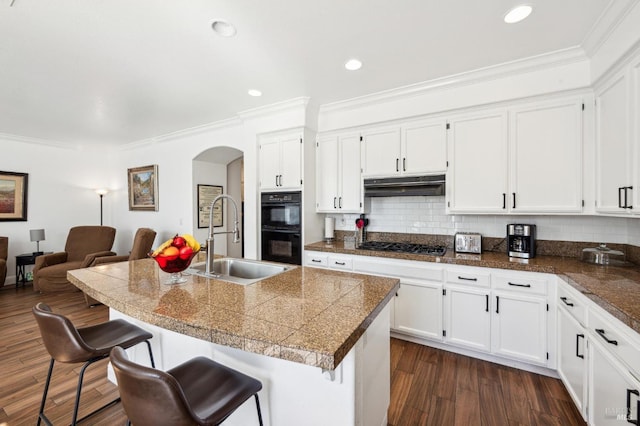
(434, 387)
(428, 386)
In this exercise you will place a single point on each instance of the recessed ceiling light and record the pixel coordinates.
(517, 14)
(223, 28)
(254, 92)
(353, 64)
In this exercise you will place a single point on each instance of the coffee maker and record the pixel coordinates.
(521, 240)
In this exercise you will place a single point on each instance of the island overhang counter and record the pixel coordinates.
(317, 339)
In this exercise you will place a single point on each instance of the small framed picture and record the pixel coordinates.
(206, 194)
(13, 196)
(143, 188)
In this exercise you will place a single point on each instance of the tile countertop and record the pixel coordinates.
(616, 289)
(306, 315)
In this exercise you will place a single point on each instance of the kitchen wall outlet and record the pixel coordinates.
(343, 221)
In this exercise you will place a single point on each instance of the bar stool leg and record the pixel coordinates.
(153, 364)
(258, 407)
(44, 394)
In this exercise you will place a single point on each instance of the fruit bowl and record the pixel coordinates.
(174, 265)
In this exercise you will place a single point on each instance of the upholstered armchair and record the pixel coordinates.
(142, 243)
(4, 250)
(84, 244)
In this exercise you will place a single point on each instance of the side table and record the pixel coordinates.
(23, 260)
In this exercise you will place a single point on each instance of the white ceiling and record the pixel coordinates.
(119, 71)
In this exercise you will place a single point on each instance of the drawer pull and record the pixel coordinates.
(520, 285)
(564, 299)
(467, 279)
(636, 393)
(339, 263)
(316, 260)
(578, 336)
(600, 331)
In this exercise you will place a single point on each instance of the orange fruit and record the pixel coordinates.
(171, 253)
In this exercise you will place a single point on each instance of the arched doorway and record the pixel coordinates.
(221, 166)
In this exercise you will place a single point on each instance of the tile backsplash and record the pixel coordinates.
(426, 215)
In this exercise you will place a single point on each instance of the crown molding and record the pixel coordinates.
(230, 122)
(38, 141)
(533, 63)
(290, 104)
(613, 15)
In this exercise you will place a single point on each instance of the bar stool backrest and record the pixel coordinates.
(60, 336)
(149, 396)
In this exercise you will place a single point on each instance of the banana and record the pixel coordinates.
(191, 241)
(162, 247)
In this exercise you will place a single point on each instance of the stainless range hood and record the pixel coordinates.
(404, 186)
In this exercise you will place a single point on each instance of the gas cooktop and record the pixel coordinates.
(433, 250)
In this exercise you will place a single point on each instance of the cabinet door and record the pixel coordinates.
(291, 161)
(612, 145)
(269, 164)
(381, 152)
(520, 327)
(572, 353)
(546, 158)
(327, 174)
(635, 123)
(468, 318)
(418, 309)
(424, 148)
(477, 175)
(611, 387)
(350, 192)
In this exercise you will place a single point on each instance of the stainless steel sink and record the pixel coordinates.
(239, 271)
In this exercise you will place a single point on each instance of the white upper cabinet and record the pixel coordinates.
(618, 141)
(613, 145)
(546, 157)
(381, 152)
(525, 159)
(414, 148)
(281, 162)
(477, 175)
(338, 174)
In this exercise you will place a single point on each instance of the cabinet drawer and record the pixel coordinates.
(339, 262)
(573, 302)
(315, 259)
(471, 278)
(523, 283)
(398, 268)
(611, 334)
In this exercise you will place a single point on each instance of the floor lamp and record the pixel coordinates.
(101, 193)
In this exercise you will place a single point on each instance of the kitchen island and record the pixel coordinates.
(317, 339)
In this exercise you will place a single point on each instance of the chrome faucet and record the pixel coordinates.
(235, 232)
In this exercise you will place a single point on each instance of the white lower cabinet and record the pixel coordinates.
(572, 358)
(418, 309)
(615, 393)
(468, 320)
(519, 326)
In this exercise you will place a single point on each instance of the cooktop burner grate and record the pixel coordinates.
(433, 250)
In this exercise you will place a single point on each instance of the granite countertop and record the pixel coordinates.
(615, 288)
(306, 315)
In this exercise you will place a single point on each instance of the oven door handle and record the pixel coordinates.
(281, 231)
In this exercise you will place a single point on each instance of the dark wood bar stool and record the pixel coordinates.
(199, 391)
(68, 344)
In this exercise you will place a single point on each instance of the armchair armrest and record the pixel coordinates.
(109, 259)
(49, 259)
(90, 258)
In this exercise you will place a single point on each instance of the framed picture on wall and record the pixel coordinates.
(206, 194)
(13, 196)
(143, 188)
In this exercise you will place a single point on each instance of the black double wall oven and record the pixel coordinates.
(281, 214)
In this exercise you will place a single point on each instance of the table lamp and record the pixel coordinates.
(37, 235)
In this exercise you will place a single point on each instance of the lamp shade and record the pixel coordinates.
(36, 234)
